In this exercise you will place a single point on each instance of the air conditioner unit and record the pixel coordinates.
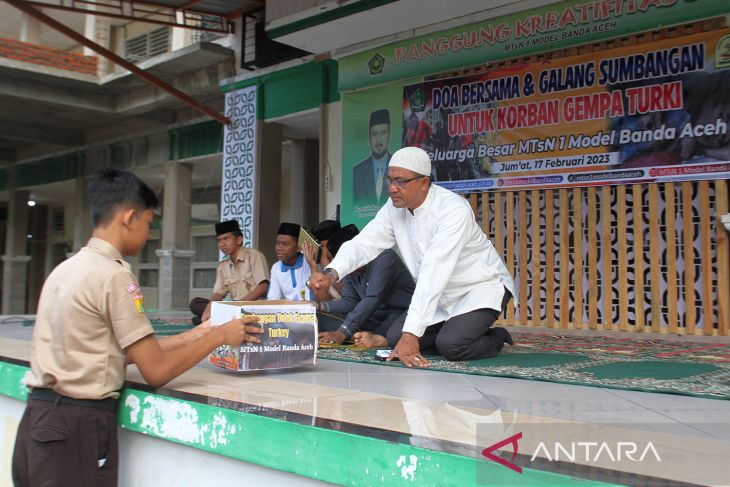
(145, 46)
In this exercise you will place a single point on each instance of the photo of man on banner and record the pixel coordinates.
(368, 186)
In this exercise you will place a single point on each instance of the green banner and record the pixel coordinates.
(544, 29)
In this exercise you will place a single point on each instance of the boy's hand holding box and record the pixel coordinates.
(289, 337)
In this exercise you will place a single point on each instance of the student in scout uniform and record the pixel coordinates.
(462, 284)
(243, 274)
(90, 324)
(289, 275)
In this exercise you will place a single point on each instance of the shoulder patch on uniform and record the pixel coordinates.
(132, 287)
(139, 302)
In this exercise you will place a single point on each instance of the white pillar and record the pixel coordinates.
(179, 37)
(175, 256)
(98, 29)
(30, 29)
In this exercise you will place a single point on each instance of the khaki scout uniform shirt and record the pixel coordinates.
(240, 277)
(90, 310)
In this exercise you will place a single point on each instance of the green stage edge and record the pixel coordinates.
(323, 454)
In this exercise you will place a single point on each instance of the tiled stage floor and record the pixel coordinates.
(442, 411)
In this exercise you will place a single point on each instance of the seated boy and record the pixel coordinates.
(90, 323)
(243, 274)
(373, 297)
(289, 275)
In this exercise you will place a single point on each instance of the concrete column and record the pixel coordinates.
(15, 260)
(330, 139)
(98, 29)
(268, 186)
(300, 172)
(82, 217)
(292, 191)
(325, 178)
(30, 30)
(311, 183)
(38, 218)
(175, 256)
(179, 37)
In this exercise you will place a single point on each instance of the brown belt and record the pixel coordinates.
(43, 394)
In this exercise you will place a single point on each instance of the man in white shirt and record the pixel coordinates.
(289, 275)
(462, 285)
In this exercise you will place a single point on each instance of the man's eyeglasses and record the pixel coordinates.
(399, 182)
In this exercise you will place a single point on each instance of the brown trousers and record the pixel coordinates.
(65, 445)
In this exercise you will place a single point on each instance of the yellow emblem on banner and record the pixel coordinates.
(722, 52)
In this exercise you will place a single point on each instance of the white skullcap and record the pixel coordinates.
(412, 158)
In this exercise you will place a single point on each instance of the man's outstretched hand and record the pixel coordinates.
(320, 281)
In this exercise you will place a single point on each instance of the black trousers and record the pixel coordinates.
(463, 337)
(61, 445)
(197, 306)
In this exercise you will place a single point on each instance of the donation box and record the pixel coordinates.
(289, 337)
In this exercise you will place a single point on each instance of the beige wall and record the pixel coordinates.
(333, 161)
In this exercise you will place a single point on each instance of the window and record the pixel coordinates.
(203, 278)
(148, 255)
(204, 263)
(58, 220)
(149, 264)
(206, 249)
(145, 46)
(207, 21)
(257, 49)
(149, 277)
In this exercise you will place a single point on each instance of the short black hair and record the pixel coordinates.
(111, 189)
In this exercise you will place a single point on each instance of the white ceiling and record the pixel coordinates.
(392, 21)
(303, 125)
(206, 172)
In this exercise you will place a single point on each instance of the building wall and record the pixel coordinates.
(332, 169)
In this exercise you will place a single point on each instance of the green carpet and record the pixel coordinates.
(170, 327)
(687, 368)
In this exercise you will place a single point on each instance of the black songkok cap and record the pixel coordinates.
(291, 229)
(324, 229)
(341, 236)
(379, 116)
(229, 226)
